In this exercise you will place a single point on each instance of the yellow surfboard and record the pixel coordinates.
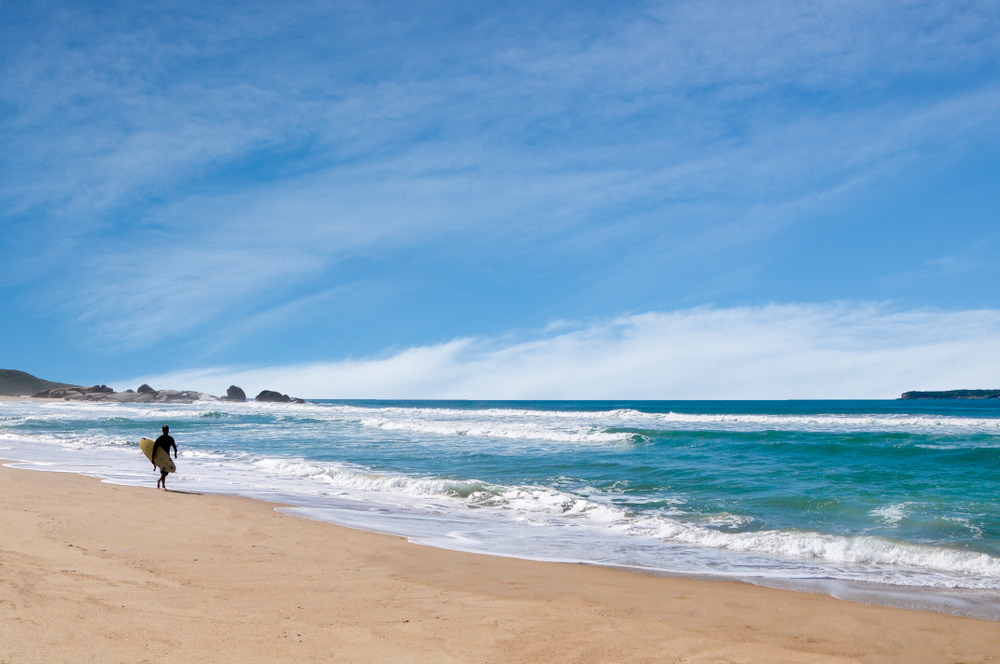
(162, 460)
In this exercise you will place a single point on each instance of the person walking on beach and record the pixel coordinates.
(166, 441)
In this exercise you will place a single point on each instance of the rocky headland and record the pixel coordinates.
(19, 383)
(16, 383)
(953, 394)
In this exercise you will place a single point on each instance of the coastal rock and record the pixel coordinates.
(272, 397)
(156, 396)
(59, 392)
(235, 393)
(103, 393)
(182, 396)
(145, 389)
(73, 392)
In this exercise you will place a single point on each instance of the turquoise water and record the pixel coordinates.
(859, 498)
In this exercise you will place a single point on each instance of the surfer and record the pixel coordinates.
(166, 441)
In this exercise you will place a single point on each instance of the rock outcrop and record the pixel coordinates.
(146, 394)
(277, 397)
(165, 396)
(235, 393)
(103, 393)
(75, 393)
(272, 397)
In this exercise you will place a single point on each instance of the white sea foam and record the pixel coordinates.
(201, 454)
(592, 425)
(500, 428)
(344, 477)
(72, 441)
(557, 426)
(978, 569)
(977, 532)
(891, 514)
(546, 507)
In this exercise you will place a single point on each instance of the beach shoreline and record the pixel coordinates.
(90, 567)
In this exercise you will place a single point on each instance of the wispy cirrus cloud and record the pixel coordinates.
(172, 172)
(212, 257)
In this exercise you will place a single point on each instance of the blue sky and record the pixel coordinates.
(190, 192)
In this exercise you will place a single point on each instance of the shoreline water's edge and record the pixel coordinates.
(827, 497)
(958, 602)
(85, 568)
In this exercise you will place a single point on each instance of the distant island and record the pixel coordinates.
(953, 394)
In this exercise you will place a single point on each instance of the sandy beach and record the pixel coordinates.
(98, 572)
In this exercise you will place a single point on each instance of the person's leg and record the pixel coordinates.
(159, 480)
(163, 478)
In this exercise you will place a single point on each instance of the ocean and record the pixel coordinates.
(891, 502)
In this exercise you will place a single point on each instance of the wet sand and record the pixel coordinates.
(98, 572)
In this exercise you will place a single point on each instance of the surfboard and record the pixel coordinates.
(162, 460)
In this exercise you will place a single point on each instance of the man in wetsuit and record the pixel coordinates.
(165, 441)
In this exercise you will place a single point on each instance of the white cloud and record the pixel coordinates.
(769, 352)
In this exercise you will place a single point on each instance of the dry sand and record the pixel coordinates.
(93, 572)
(8, 397)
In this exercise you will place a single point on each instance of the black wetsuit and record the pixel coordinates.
(165, 441)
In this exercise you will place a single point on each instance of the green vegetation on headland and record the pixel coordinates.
(18, 383)
(954, 394)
